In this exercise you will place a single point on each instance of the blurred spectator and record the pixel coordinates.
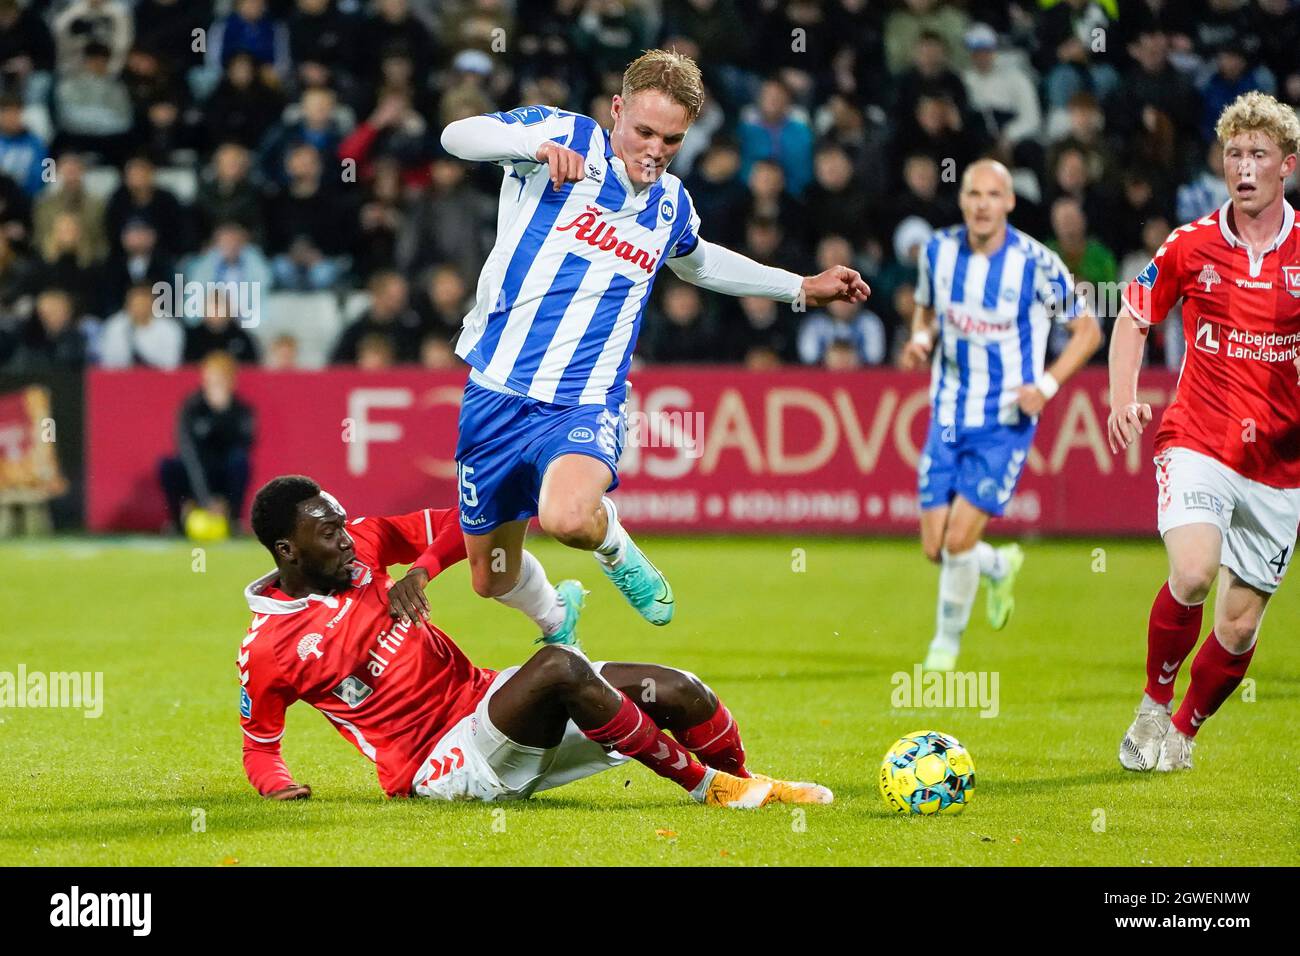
(1156, 108)
(226, 193)
(903, 28)
(392, 24)
(679, 326)
(375, 351)
(86, 23)
(22, 152)
(137, 261)
(1072, 38)
(611, 33)
(250, 28)
(836, 206)
(1233, 75)
(68, 261)
(841, 356)
(26, 47)
(1136, 203)
(15, 212)
(762, 336)
(1072, 176)
(389, 318)
(1091, 263)
(769, 199)
(313, 122)
(919, 197)
(138, 336)
(847, 323)
(312, 227)
(1206, 191)
(436, 354)
(92, 108)
(231, 258)
(1277, 24)
(54, 337)
(243, 106)
(220, 331)
(443, 300)
(937, 128)
(766, 242)
(282, 355)
(396, 131)
(930, 70)
(140, 197)
(452, 222)
(214, 436)
(166, 29)
(319, 33)
(719, 194)
(17, 274)
(775, 129)
(380, 221)
(1004, 96)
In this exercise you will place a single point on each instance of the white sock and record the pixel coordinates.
(1150, 703)
(535, 596)
(959, 580)
(991, 562)
(610, 552)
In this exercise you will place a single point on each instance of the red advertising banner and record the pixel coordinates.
(709, 449)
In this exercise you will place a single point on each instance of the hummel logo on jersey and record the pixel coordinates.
(593, 172)
(603, 236)
(352, 691)
(1208, 278)
(1207, 334)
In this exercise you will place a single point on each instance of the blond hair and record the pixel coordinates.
(671, 73)
(1258, 112)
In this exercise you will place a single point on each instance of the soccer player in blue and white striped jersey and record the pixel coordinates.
(587, 217)
(986, 298)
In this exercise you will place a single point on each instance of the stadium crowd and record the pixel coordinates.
(293, 146)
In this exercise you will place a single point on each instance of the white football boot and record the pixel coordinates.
(1175, 751)
(1140, 748)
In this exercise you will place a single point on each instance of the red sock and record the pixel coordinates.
(1215, 675)
(633, 733)
(716, 742)
(1172, 632)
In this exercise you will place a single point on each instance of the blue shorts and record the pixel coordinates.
(983, 466)
(507, 442)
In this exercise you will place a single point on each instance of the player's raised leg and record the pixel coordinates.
(502, 569)
(681, 703)
(959, 581)
(557, 685)
(1218, 667)
(1173, 628)
(573, 508)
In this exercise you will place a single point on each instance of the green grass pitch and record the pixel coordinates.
(803, 658)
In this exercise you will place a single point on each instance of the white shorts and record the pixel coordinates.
(1258, 521)
(475, 761)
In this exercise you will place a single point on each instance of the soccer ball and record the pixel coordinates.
(206, 527)
(927, 772)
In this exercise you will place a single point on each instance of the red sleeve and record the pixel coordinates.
(356, 146)
(1158, 287)
(263, 699)
(429, 539)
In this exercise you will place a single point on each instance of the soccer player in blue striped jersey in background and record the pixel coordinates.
(986, 298)
(587, 217)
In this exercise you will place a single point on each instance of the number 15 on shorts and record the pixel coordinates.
(468, 493)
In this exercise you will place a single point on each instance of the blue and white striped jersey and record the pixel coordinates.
(995, 313)
(561, 296)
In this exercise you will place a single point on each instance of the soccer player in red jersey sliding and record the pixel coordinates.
(330, 627)
(1228, 446)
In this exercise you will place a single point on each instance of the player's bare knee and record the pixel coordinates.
(683, 691)
(1190, 583)
(1237, 634)
(561, 667)
(933, 551)
(568, 525)
(488, 584)
(959, 540)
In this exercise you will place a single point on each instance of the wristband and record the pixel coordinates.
(1048, 385)
(922, 338)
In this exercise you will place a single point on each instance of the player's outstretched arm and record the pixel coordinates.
(1085, 338)
(1127, 416)
(530, 138)
(718, 269)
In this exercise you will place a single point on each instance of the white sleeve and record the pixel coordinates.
(718, 269)
(512, 137)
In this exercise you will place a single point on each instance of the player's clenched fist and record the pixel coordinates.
(838, 283)
(1126, 423)
(565, 164)
(916, 353)
(406, 598)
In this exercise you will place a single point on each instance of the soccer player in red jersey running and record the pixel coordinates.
(1228, 447)
(330, 627)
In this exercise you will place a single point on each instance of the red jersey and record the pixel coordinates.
(390, 690)
(1237, 399)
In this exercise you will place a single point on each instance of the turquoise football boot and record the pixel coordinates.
(644, 585)
(574, 598)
